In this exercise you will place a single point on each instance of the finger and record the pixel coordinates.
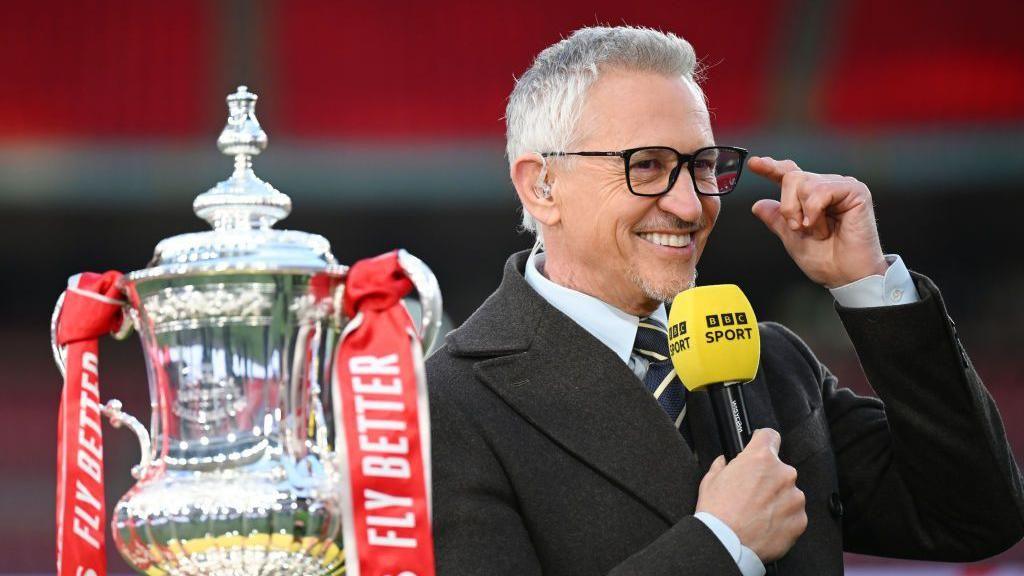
(766, 437)
(824, 199)
(717, 465)
(767, 211)
(770, 168)
(792, 189)
(713, 471)
(815, 208)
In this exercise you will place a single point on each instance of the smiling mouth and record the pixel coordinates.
(665, 239)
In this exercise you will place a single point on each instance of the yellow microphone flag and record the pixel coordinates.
(713, 337)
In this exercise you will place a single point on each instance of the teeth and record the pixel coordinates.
(673, 240)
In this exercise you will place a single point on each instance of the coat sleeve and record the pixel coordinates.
(477, 524)
(925, 471)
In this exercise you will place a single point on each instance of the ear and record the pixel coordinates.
(531, 175)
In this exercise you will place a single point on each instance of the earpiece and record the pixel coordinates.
(542, 186)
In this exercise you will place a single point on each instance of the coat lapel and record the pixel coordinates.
(577, 392)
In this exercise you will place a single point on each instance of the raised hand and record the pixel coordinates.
(825, 221)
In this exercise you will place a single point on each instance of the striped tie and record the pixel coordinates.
(661, 379)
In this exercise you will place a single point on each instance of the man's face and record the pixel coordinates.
(631, 251)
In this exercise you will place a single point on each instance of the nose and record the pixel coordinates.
(682, 200)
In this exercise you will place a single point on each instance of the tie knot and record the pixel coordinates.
(651, 340)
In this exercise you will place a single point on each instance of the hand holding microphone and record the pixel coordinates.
(715, 346)
(755, 494)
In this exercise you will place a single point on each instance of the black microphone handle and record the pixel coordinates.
(730, 416)
(733, 427)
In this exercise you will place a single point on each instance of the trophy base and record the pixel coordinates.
(277, 555)
(251, 520)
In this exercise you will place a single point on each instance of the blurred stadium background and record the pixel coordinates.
(385, 124)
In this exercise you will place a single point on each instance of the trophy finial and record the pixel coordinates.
(243, 201)
(243, 134)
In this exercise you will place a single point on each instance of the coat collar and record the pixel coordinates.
(615, 328)
(506, 322)
(576, 391)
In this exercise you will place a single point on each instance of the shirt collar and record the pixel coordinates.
(612, 327)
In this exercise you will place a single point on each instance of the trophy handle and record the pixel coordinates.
(112, 408)
(117, 417)
(59, 356)
(429, 294)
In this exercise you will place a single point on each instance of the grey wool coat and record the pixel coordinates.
(550, 457)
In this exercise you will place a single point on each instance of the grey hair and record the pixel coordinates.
(544, 108)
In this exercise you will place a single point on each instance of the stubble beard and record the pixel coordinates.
(664, 291)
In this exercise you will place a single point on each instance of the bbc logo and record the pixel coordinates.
(726, 319)
(677, 330)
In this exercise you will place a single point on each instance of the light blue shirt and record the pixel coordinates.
(617, 330)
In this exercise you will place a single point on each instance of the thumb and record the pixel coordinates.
(767, 211)
(766, 437)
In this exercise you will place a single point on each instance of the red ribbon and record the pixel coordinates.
(381, 406)
(92, 308)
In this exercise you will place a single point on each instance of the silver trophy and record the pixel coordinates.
(238, 474)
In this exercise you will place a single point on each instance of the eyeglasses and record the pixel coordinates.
(653, 170)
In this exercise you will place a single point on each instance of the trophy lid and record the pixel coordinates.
(242, 211)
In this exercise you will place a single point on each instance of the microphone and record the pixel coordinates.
(715, 346)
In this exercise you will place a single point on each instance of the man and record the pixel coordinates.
(562, 445)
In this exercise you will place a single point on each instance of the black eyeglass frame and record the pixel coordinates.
(674, 175)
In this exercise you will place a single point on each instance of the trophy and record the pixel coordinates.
(250, 460)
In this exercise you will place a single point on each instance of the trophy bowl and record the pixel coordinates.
(238, 474)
